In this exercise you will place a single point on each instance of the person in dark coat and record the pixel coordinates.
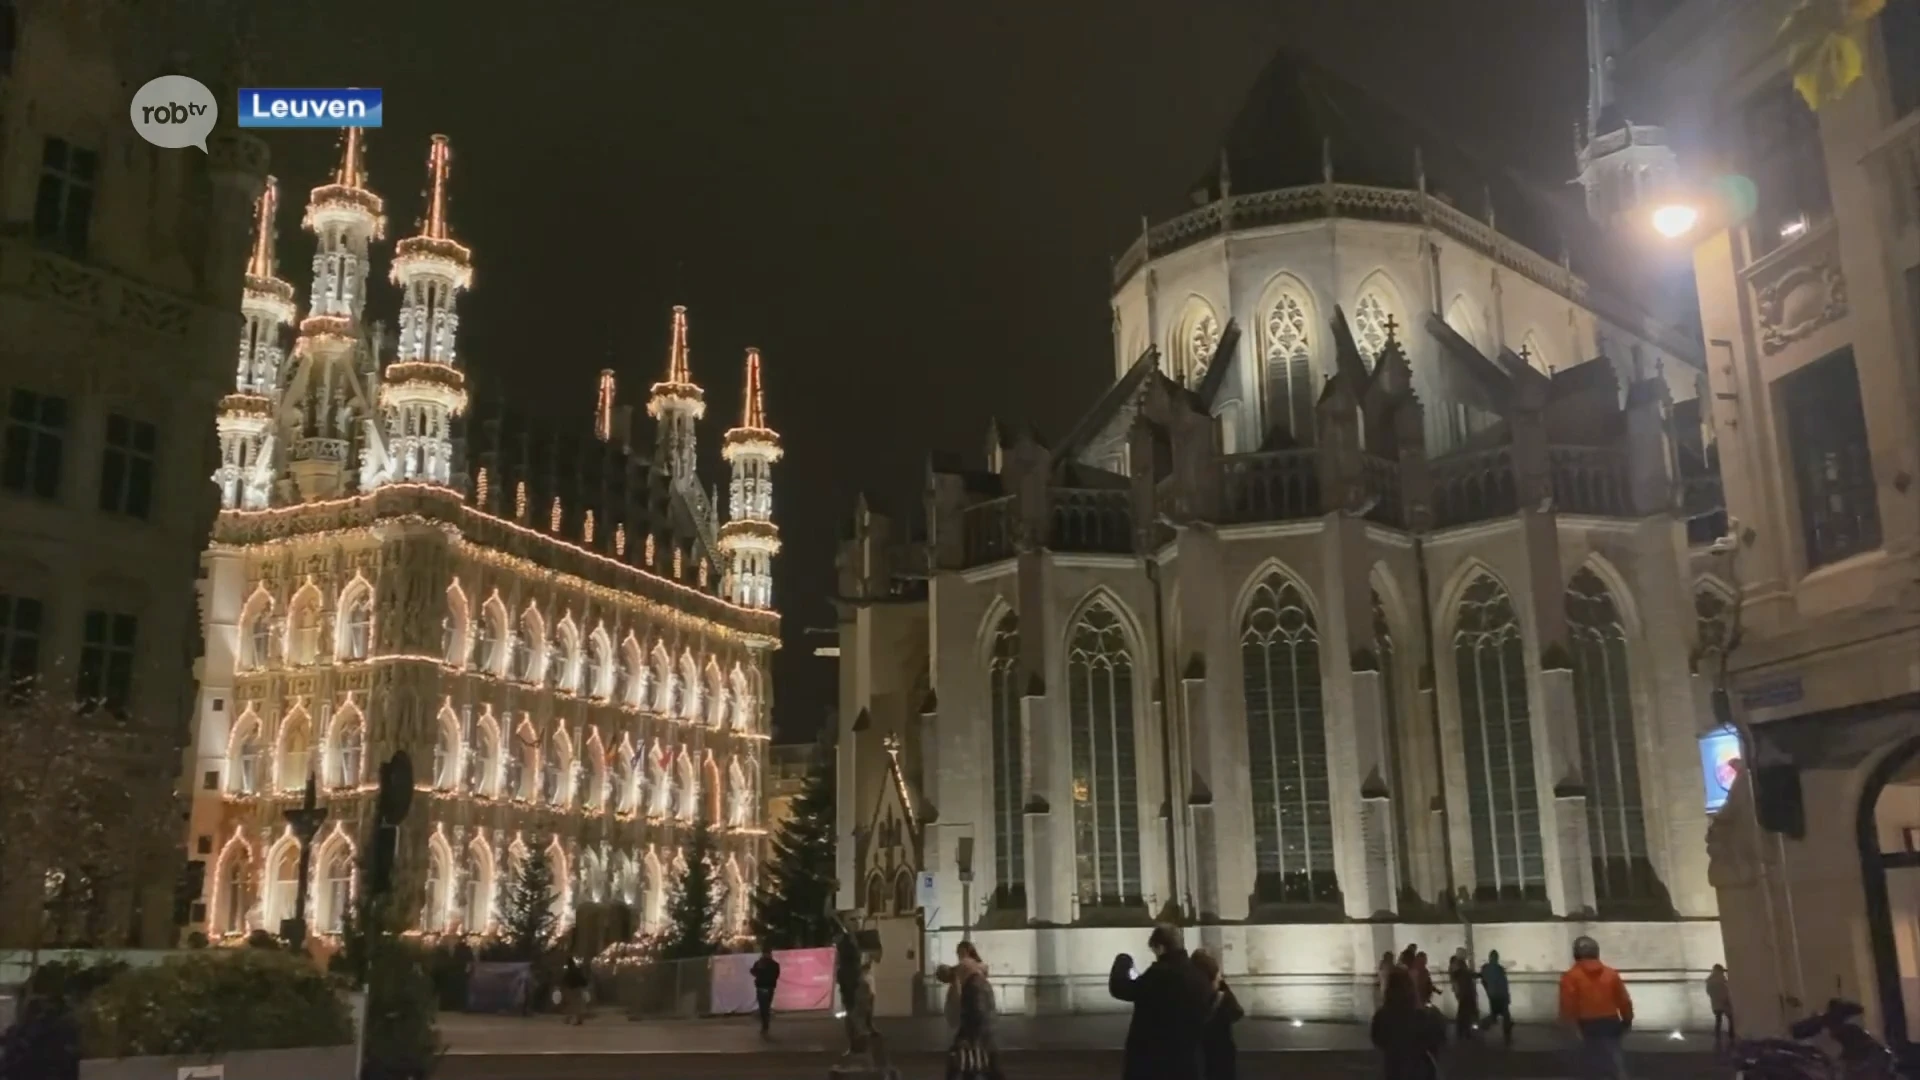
(1409, 1034)
(1466, 996)
(766, 979)
(973, 1055)
(1493, 976)
(1423, 986)
(1217, 1049)
(1170, 1001)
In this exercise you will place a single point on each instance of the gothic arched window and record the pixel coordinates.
(454, 629)
(1371, 315)
(1287, 748)
(243, 772)
(1106, 797)
(356, 622)
(1203, 337)
(1287, 366)
(1009, 766)
(303, 626)
(490, 632)
(256, 623)
(1503, 798)
(1609, 761)
(1385, 653)
(349, 749)
(446, 752)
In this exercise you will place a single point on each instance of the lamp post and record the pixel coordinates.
(305, 821)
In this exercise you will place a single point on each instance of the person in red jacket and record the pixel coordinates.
(1594, 1002)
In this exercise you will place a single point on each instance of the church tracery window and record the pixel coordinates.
(356, 622)
(1610, 763)
(1503, 799)
(1287, 372)
(1371, 314)
(1106, 798)
(1287, 747)
(1009, 765)
(1203, 337)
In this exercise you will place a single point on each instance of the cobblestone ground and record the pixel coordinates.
(1051, 1048)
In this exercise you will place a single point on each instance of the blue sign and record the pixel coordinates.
(265, 108)
(1773, 693)
(1719, 765)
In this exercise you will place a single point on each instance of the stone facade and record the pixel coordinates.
(553, 700)
(118, 265)
(1809, 295)
(1357, 611)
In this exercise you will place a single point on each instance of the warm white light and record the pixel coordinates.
(1675, 220)
(1793, 228)
(1299, 1023)
(1675, 1036)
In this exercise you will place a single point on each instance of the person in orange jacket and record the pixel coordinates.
(1594, 1001)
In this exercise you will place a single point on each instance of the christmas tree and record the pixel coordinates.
(694, 916)
(529, 919)
(794, 906)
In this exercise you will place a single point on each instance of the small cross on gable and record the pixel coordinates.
(1393, 327)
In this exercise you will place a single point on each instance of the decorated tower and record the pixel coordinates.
(423, 389)
(1623, 166)
(327, 407)
(676, 404)
(245, 419)
(750, 539)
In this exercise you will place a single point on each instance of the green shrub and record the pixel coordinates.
(217, 1001)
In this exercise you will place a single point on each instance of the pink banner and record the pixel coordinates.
(806, 981)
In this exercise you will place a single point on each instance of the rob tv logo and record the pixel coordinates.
(265, 108)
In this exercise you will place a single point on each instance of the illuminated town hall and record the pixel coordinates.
(558, 629)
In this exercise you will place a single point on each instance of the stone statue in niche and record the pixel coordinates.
(736, 796)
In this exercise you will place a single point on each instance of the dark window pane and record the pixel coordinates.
(81, 164)
(123, 627)
(54, 154)
(26, 614)
(46, 466)
(140, 487)
(46, 207)
(53, 412)
(15, 459)
(79, 219)
(96, 628)
(144, 438)
(23, 405)
(116, 429)
(1827, 432)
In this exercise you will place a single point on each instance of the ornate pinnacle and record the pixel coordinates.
(754, 410)
(260, 264)
(679, 368)
(437, 158)
(353, 167)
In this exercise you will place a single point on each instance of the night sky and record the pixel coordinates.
(910, 207)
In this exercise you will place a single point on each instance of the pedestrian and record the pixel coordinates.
(1466, 996)
(573, 992)
(1170, 1002)
(1408, 955)
(972, 1054)
(1385, 971)
(1721, 1000)
(766, 979)
(1410, 1035)
(1595, 1003)
(966, 963)
(1423, 981)
(1499, 996)
(1217, 1050)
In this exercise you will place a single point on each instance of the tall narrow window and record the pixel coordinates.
(1009, 767)
(1785, 159)
(19, 646)
(1827, 433)
(1287, 748)
(1390, 712)
(36, 438)
(106, 661)
(1603, 705)
(1372, 323)
(1503, 799)
(1106, 797)
(1287, 371)
(126, 467)
(63, 204)
(356, 624)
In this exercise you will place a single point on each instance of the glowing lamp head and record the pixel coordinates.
(1675, 220)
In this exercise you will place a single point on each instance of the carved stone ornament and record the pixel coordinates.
(1733, 857)
(1802, 299)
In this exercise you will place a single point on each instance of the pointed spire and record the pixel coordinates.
(437, 159)
(260, 264)
(679, 367)
(353, 165)
(754, 405)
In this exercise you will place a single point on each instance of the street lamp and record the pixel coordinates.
(1674, 220)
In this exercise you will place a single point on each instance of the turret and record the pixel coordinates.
(326, 408)
(749, 540)
(676, 403)
(1623, 166)
(423, 388)
(245, 418)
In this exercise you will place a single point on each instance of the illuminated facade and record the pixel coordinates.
(1356, 611)
(543, 625)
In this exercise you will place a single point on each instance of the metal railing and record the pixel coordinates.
(1589, 480)
(1090, 520)
(1474, 486)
